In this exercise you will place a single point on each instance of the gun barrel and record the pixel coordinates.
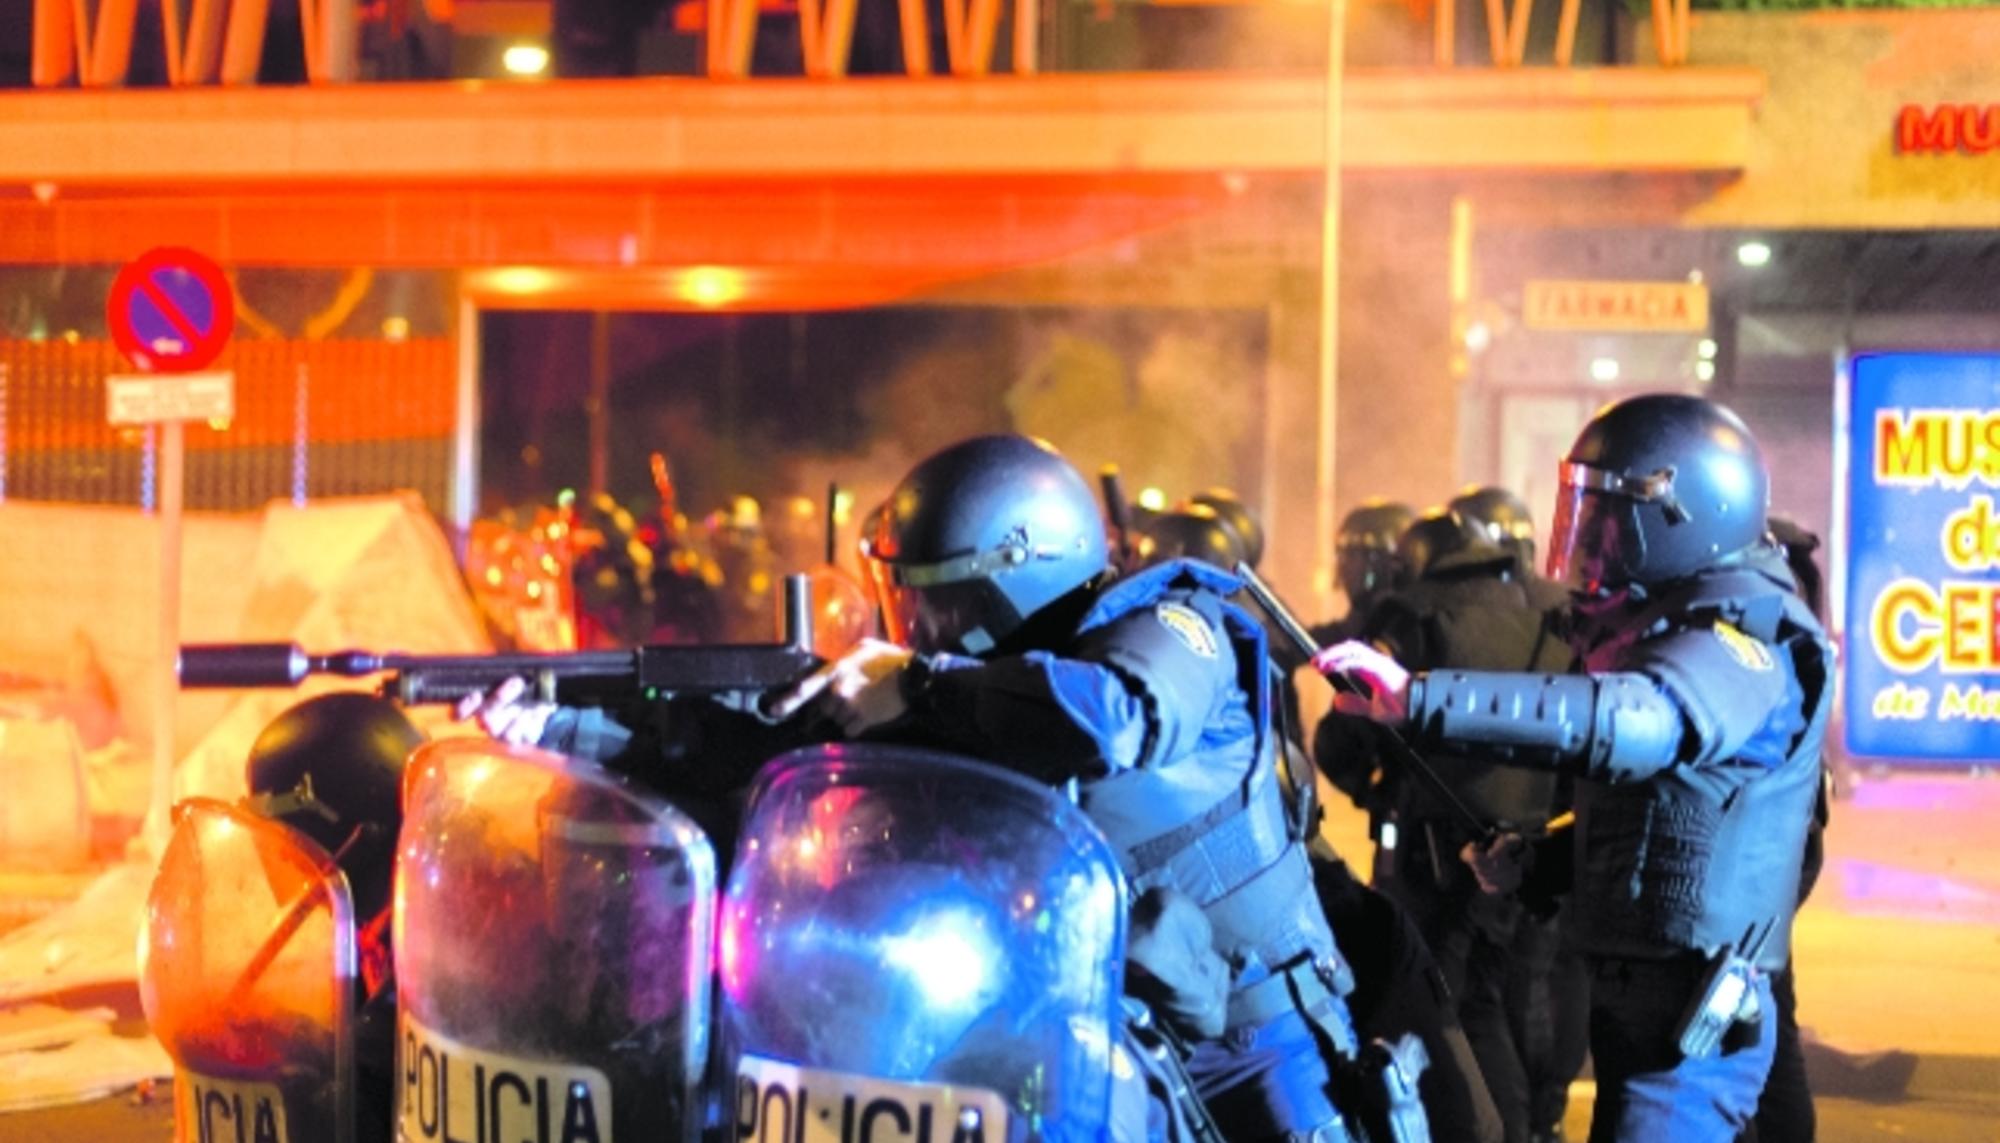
(242, 665)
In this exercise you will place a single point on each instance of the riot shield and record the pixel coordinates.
(247, 977)
(553, 935)
(916, 948)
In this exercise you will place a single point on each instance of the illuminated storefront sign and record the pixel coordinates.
(1948, 127)
(1923, 581)
(1652, 307)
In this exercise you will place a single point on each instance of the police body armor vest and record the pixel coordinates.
(1475, 622)
(1214, 825)
(1693, 857)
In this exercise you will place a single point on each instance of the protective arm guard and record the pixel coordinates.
(1609, 727)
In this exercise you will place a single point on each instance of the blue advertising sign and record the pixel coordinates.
(1923, 558)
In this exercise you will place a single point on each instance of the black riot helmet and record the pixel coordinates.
(1365, 549)
(1436, 535)
(1656, 488)
(1193, 532)
(979, 538)
(1503, 516)
(1237, 515)
(331, 767)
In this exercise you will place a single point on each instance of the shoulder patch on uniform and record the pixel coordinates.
(1189, 627)
(1745, 650)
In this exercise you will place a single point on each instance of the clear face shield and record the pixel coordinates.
(1363, 569)
(1597, 545)
(951, 605)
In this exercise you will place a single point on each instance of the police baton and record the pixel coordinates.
(1296, 634)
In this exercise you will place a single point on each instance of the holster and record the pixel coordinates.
(1380, 1090)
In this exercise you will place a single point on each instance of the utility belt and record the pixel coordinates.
(1310, 986)
(1667, 970)
(1722, 1007)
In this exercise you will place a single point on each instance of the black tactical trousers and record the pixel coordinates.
(1548, 1006)
(1398, 989)
(1785, 1111)
(1472, 935)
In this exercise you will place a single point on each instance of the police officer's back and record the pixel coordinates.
(1548, 988)
(1695, 737)
(1466, 606)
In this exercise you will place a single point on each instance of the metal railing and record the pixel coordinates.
(313, 418)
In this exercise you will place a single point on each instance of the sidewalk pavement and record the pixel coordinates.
(1898, 951)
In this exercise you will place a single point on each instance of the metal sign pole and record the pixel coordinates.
(300, 441)
(3, 432)
(159, 816)
(170, 312)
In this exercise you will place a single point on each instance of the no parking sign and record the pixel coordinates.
(171, 310)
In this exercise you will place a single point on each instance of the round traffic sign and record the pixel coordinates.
(171, 310)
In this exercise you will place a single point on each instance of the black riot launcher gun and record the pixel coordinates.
(736, 675)
(1296, 634)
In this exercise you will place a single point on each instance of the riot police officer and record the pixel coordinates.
(1189, 532)
(1398, 987)
(331, 767)
(990, 565)
(1505, 522)
(1345, 749)
(1548, 990)
(1465, 605)
(1237, 516)
(1364, 553)
(1695, 737)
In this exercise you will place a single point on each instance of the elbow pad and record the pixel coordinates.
(1611, 727)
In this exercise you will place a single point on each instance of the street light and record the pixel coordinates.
(525, 59)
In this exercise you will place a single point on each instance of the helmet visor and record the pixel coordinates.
(1596, 544)
(1364, 571)
(967, 616)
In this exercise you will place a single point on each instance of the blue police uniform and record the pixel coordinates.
(1695, 740)
(1159, 705)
